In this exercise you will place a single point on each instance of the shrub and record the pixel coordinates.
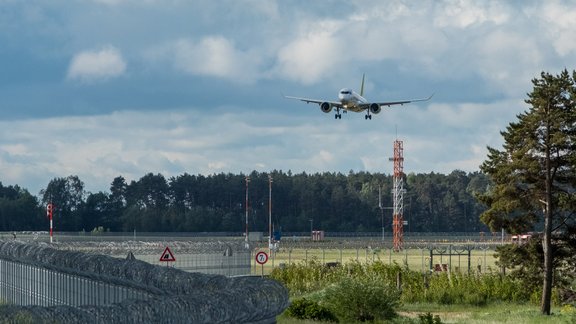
(429, 319)
(306, 277)
(362, 299)
(306, 309)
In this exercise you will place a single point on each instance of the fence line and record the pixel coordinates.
(416, 258)
(229, 258)
(24, 284)
(41, 284)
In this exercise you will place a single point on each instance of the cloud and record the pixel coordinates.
(97, 65)
(560, 25)
(313, 54)
(464, 14)
(214, 56)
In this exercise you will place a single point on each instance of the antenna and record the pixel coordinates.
(398, 196)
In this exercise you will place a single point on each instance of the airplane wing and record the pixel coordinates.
(392, 103)
(316, 101)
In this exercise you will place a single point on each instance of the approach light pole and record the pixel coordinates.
(246, 207)
(270, 212)
(381, 210)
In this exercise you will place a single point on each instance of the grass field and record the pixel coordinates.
(494, 313)
(417, 259)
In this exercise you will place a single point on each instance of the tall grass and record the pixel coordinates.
(443, 288)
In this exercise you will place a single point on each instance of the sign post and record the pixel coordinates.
(167, 256)
(261, 259)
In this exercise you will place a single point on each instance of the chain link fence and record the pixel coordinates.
(477, 257)
(228, 258)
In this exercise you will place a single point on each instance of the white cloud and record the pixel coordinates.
(97, 65)
(464, 14)
(313, 54)
(211, 56)
(560, 25)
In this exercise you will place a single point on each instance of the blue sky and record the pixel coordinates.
(102, 88)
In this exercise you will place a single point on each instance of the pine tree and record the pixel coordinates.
(534, 174)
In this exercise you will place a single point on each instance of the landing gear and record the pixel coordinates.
(338, 116)
(368, 117)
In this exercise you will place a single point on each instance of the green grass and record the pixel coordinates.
(492, 313)
(454, 297)
(416, 259)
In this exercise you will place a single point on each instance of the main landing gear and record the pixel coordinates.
(368, 117)
(338, 114)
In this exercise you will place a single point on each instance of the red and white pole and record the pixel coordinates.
(49, 212)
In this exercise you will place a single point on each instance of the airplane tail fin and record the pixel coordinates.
(362, 86)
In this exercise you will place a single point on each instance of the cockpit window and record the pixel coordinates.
(345, 92)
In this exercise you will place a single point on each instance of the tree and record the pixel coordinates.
(94, 212)
(67, 195)
(150, 195)
(116, 204)
(534, 174)
(19, 210)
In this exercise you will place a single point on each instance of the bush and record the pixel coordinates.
(429, 319)
(362, 299)
(306, 277)
(306, 309)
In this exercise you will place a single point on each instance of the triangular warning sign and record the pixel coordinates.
(167, 255)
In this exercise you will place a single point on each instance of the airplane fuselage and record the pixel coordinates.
(351, 100)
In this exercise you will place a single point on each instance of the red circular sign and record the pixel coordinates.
(261, 257)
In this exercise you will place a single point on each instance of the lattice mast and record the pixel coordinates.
(398, 196)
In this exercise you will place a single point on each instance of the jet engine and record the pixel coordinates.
(326, 107)
(375, 108)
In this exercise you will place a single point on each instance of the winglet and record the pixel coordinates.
(362, 85)
(424, 99)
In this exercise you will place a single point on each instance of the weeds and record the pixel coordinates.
(428, 318)
(366, 299)
(442, 288)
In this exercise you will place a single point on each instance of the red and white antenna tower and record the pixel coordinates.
(398, 196)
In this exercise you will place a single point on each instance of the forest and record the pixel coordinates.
(333, 202)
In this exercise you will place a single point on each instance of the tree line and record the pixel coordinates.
(333, 202)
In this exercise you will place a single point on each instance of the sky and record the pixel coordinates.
(107, 88)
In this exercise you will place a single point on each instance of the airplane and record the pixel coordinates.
(352, 101)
